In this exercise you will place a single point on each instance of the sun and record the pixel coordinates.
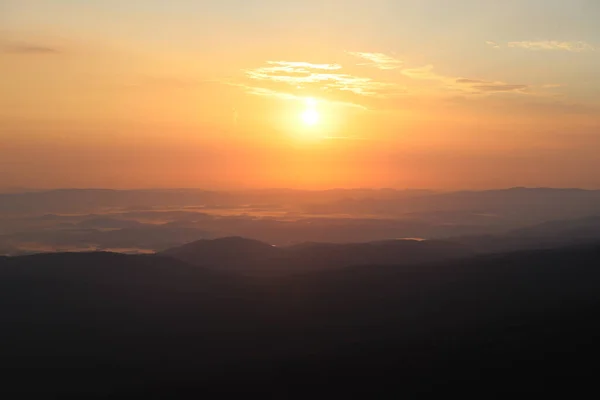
(310, 117)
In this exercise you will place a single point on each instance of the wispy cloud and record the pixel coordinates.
(500, 87)
(321, 76)
(259, 91)
(469, 81)
(296, 80)
(378, 60)
(466, 85)
(283, 95)
(29, 48)
(307, 65)
(425, 72)
(548, 45)
(482, 86)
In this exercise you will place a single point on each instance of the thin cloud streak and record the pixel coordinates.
(378, 60)
(30, 49)
(301, 64)
(547, 45)
(467, 85)
(482, 86)
(500, 87)
(425, 72)
(260, 91)
(468, 81)
(298, 74)
(265, 92)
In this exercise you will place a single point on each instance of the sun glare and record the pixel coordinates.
(310, 117)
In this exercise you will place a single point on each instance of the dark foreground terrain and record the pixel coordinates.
(106, 325)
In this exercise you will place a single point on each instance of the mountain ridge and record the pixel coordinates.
(251, 256)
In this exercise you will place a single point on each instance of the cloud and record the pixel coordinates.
(426, 72)
(493, 44)
(482, 86)
(266, 92)
(259, 91)
(30, 49)
(295, 80)
(466, 85)
(322, 77)
(464, 80)
(378, 60)
(500, 87)
(301, 64)
(548, 45)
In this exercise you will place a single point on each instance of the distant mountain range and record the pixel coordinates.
(537, 202)
(555, 233)
(142, 221)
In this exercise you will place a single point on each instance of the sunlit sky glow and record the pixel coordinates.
(307, 94)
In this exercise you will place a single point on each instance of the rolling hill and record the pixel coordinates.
(114, 325)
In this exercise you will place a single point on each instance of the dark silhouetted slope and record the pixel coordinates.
(227, 254)
(252, 257)
(112, 324)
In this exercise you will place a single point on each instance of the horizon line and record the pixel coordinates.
(18, 190)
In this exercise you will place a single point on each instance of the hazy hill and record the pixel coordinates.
(252, 257)
(228, 254)
(555, 233)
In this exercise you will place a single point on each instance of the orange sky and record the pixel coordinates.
(183, 94)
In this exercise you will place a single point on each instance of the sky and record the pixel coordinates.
(306, 94)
